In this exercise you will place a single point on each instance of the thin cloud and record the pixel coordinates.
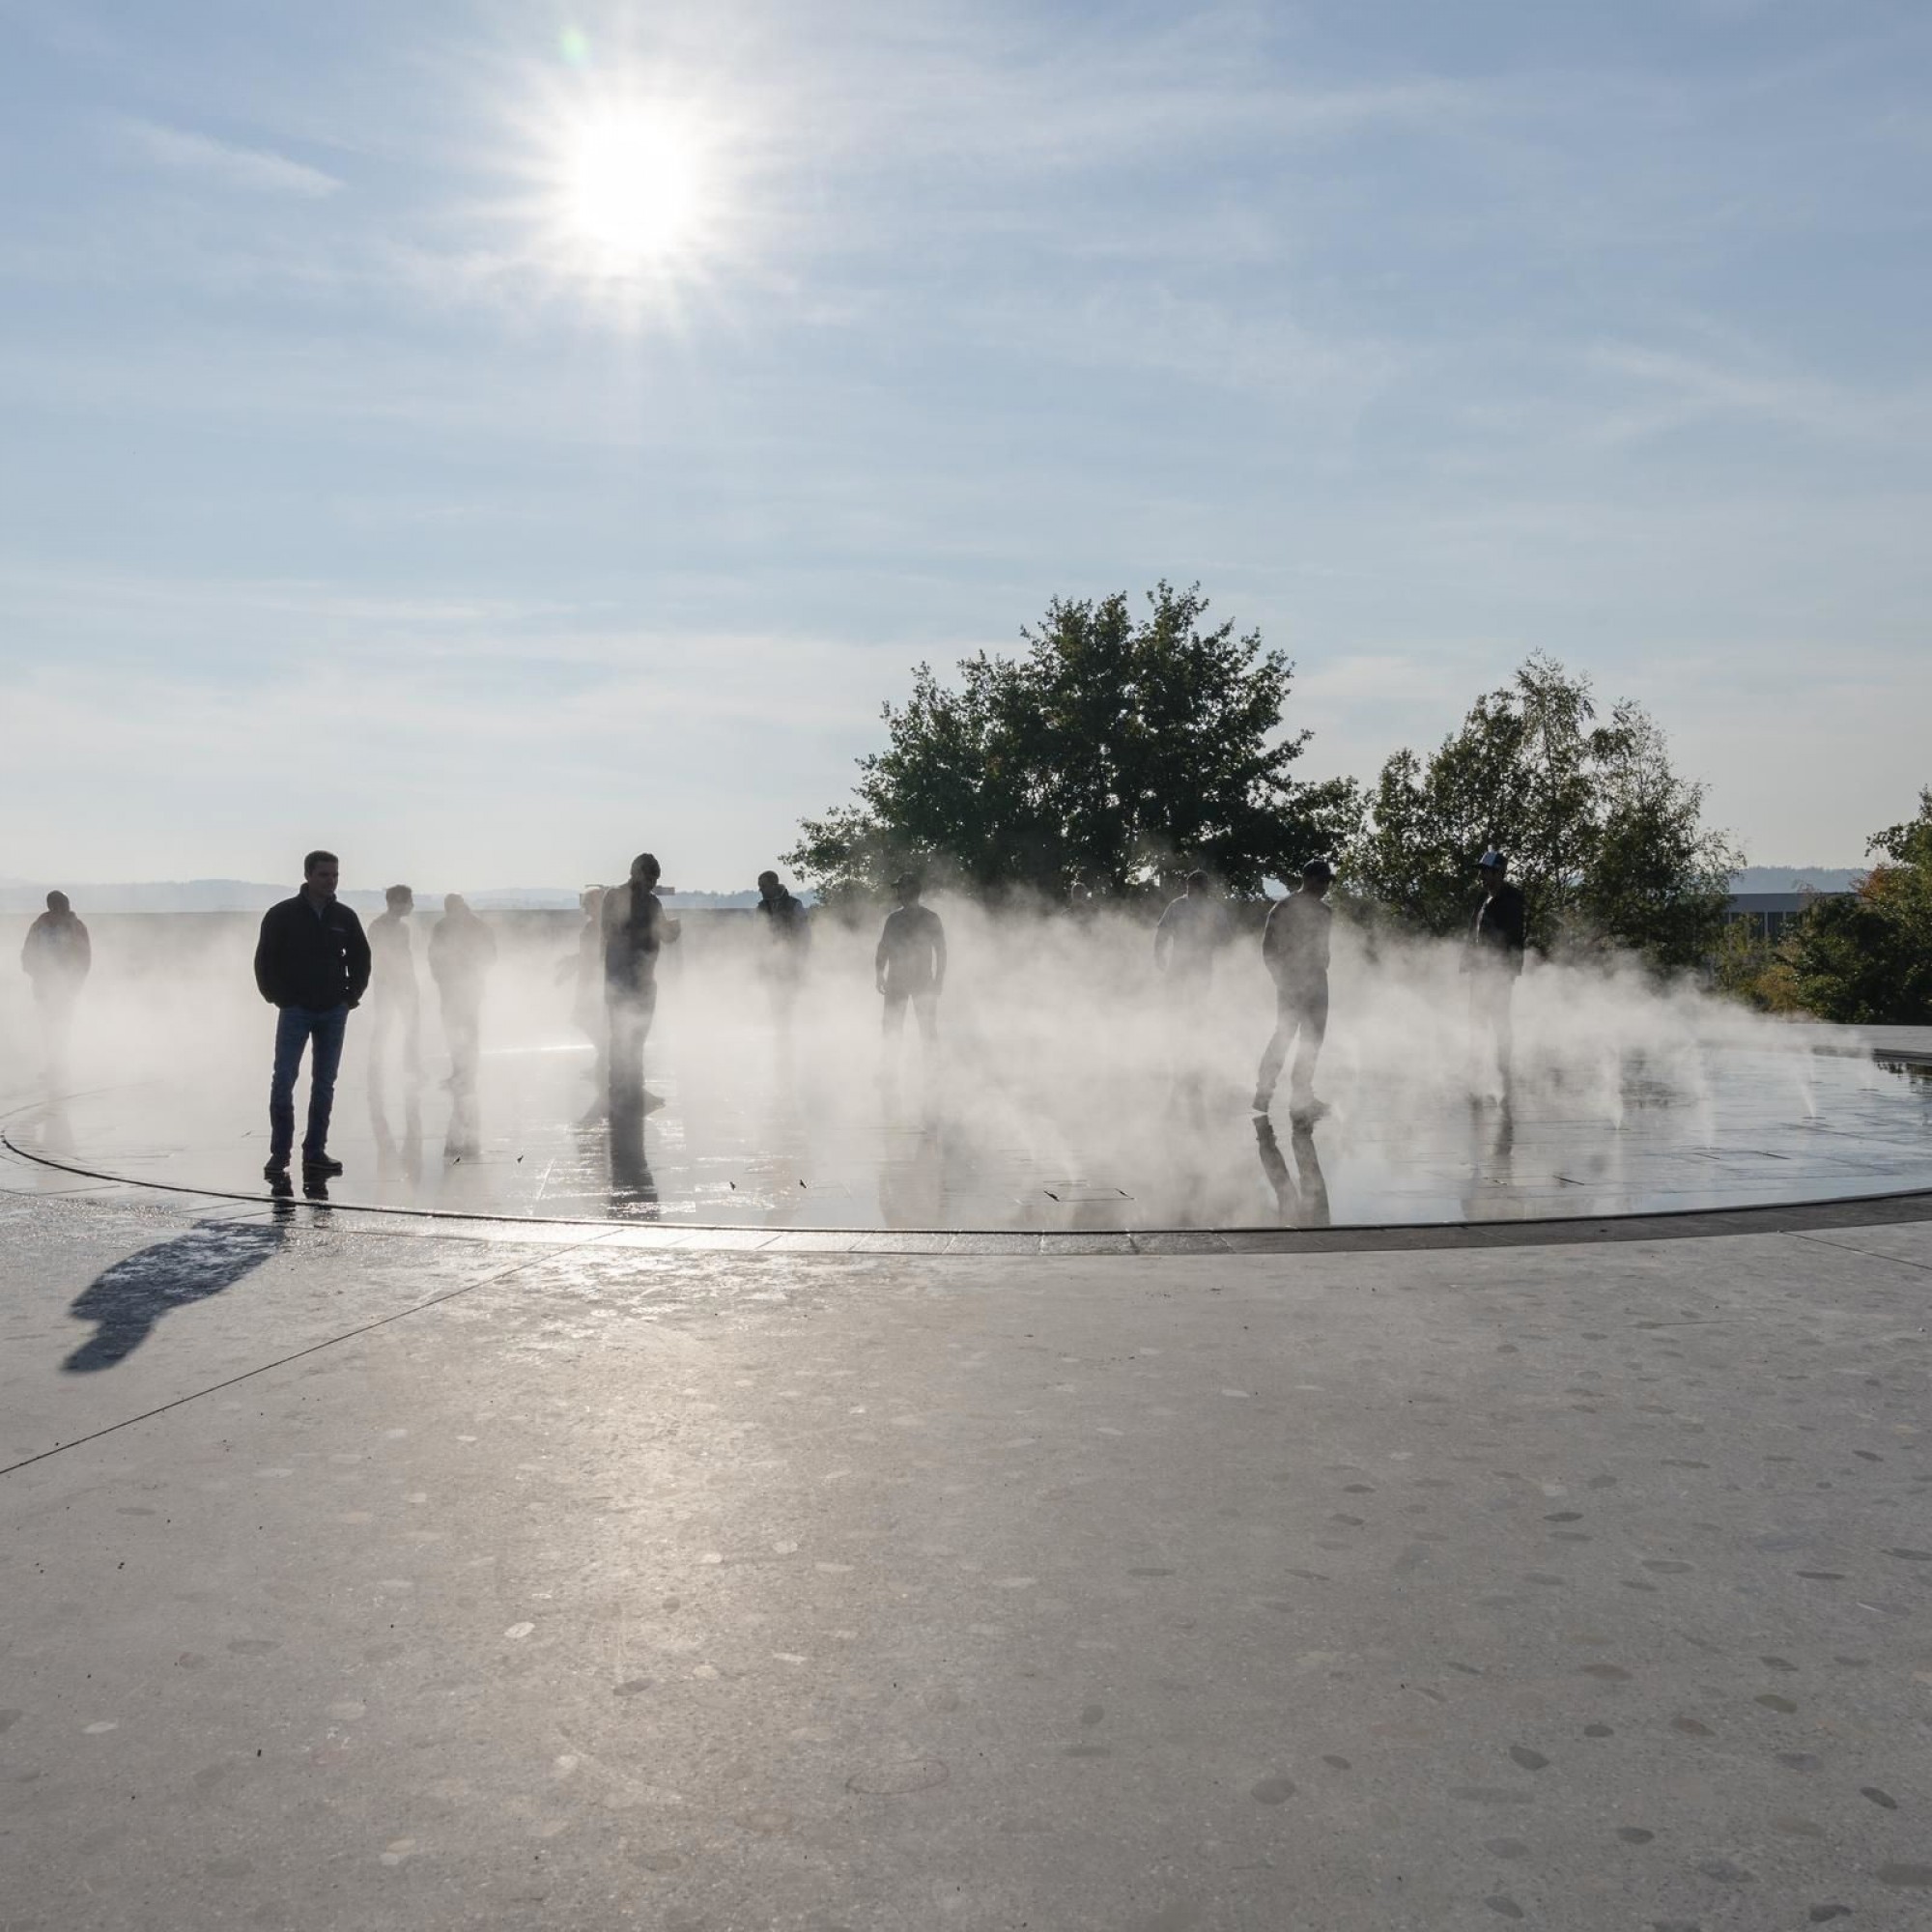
(224, 163)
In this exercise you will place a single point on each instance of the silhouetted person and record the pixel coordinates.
(395, 999)
(584, 971)
(1495, 960)
(635, 931)
(312, 962)
(57, 957)
(788, 936)
(909, 967)
(462, 949)
(1294, 948)
(1184, 944)
(1185, 940)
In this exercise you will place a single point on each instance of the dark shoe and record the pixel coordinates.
(277, 1168)
(314, 1164)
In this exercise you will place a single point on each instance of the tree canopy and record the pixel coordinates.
(1866, 958)
(1604, 837)
(1114, 748)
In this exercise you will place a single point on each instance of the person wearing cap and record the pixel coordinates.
(1496, 941)
(57, 957)
(1294, 948)
(635, 931)
(909, 968)
(395, 1001)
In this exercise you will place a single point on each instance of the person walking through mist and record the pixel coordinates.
(1294, 948)
(583, 970)
(312, 963)
(635, 931)
(57, 957)
(909, 968)
(462, 949)
(1184, 945)
(1495, 960)
(395, 998)
(788, 936)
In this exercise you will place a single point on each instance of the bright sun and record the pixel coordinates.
(632, 187)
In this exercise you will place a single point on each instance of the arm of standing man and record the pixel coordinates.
(355, 957)
(269, 980)
(938, 956)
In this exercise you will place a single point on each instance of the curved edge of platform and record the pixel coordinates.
(1673, 1224)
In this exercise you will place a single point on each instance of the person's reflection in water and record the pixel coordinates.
(463, 1139)
(398, 1157)
(1492, 1195)
(1301, 1196)
(912, 1187)
(634, 1190)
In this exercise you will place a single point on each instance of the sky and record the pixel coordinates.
(491, 438)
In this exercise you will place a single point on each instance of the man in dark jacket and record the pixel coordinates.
(311, 961)
(1294, 948)
(1495, 957)
(636, 929)
(56, 957)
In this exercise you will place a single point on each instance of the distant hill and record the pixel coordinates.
(252, 895)
(1795, 878)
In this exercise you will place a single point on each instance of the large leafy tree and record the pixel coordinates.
(1114, 747)
(1866, 958)
(1606, 838)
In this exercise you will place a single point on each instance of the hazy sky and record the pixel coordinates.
(492, 438)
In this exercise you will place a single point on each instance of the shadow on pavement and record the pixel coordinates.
(127, 1300)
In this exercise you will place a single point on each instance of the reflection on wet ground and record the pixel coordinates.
(1729, 1127)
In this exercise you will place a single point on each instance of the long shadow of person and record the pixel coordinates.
(136, 1292)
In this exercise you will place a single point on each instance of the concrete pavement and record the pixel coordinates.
(393, 1579)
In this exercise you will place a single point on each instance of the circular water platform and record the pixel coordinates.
(1119, 1165)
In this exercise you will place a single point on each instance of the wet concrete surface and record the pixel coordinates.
(442, 1582)
(1725, 1127)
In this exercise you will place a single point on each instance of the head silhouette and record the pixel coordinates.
(908, 888)
(57, 902)
(645, 870)
(320, 873)
(399, 898)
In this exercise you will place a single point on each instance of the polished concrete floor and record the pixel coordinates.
(768, 1148)
(359, 1576)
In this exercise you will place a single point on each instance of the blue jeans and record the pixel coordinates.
(295, 1029)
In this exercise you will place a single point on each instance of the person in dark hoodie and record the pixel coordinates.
(311, 962)
(56, 957)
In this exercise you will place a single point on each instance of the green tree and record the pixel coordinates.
(1112, 747)
(1865, 959)
(1604, 836)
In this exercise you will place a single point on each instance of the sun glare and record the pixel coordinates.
(632, 188)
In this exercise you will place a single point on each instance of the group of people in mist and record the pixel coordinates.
(315, 964)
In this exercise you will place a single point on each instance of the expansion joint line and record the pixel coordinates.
(1868, 1253)
(282, 1361)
